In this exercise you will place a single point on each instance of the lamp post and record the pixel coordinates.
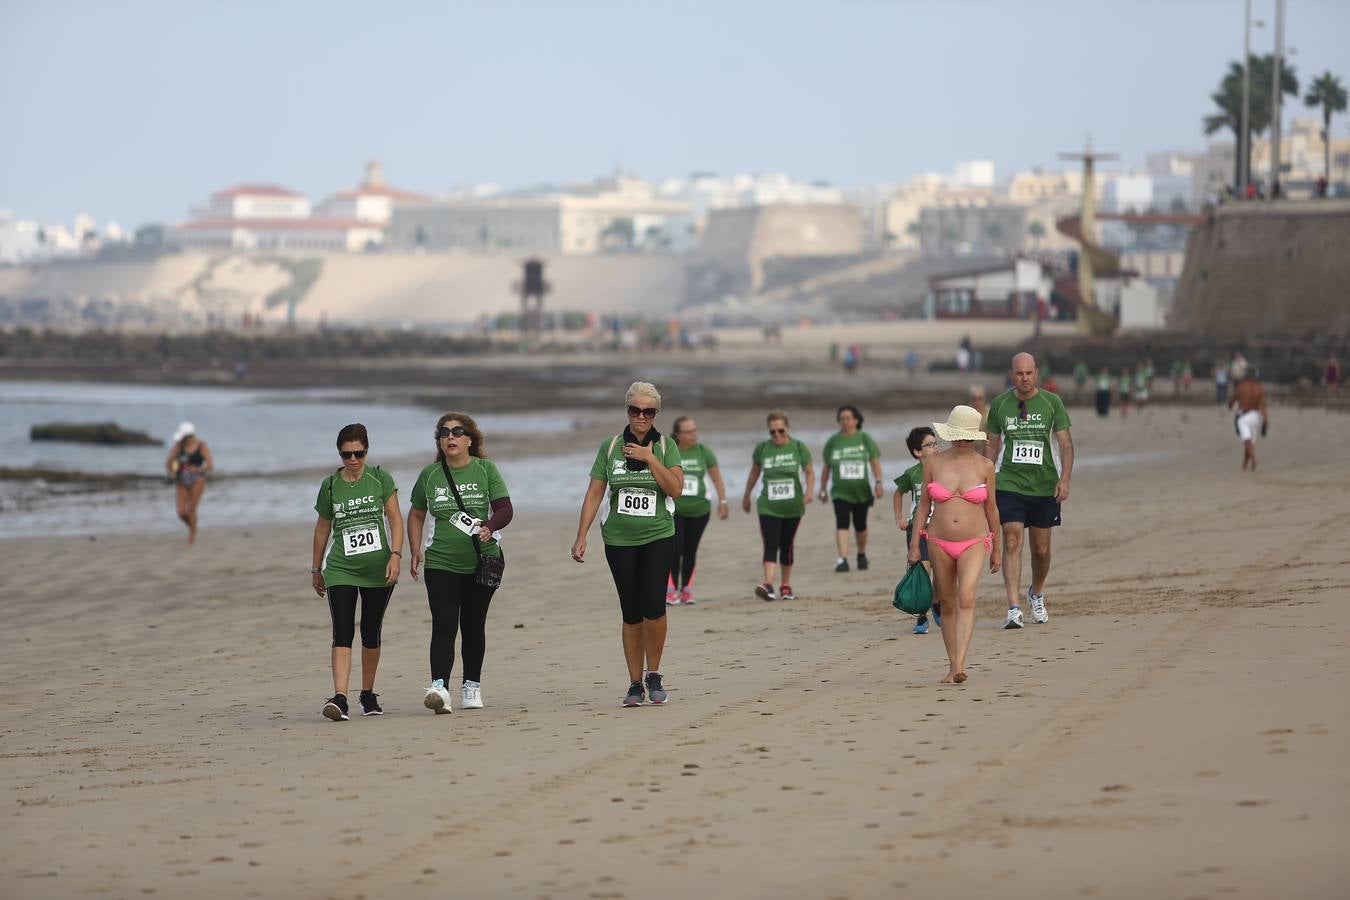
(1245, 127)
(1277, 84)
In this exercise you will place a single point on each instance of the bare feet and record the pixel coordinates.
(950, 679)
(960, 677)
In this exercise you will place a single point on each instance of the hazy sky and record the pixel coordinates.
(136, 110)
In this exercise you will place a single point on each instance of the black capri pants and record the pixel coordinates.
(779, 535)
(640, 575)
(843, 511)
(342, 607)
(688, 532)
(458, 603)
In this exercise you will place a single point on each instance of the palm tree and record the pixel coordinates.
(1327, 92)
(1228, 98)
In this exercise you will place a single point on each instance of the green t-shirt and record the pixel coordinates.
(780, 468)
(1029, 461)
(448, 542)
(359, 553)
(848, 458)
(912, 481)
(638, 511)
(696, 461)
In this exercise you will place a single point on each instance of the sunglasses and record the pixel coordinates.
(1022, 410)
(635, 411)
(777, 431)
(352, 454)
(457, 431)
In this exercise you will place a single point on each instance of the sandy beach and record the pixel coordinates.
(1180, 727)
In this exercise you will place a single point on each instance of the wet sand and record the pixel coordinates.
(1178, 729)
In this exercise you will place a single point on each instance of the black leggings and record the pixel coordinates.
(456, 600)
(342, 607)
(640, 575)
(688, 532)
(778, 535)
(843, 510)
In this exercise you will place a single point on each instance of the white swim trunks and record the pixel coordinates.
(1249, 425)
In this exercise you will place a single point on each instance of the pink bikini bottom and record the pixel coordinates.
(954, 549)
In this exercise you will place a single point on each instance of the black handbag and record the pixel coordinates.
(490, 568)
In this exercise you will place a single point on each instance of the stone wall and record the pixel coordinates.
(1263, 269)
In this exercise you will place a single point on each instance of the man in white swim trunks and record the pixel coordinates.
(1252, 416)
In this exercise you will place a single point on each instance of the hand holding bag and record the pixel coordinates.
(490, 568)
(914, 593)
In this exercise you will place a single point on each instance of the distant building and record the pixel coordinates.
(613, 216)
(1010, 289)
(900, 213)
(974, 173)
(255, 201)
(1301, 163)
(268, 217)
(372, 200)
(965, 230)
(1124, 192)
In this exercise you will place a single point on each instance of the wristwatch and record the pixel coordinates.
(314, 570)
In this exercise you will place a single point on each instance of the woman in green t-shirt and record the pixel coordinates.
(469, 505)
(693, 509)
(782, 460)
(358, 507)
(849, 454)
(642, 473)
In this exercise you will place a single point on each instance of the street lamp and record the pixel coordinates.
(1244, 131)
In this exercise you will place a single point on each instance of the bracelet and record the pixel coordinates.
(314, 570)
(398, 553)
(721, 503)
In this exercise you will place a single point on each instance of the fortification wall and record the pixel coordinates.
(1268, 268)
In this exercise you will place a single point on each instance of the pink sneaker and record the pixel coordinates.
(686, 596)
(672, 597)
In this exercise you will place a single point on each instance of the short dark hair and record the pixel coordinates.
(857, 414)
(354, 432)
(915, 440)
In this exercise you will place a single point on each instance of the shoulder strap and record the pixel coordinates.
(454, 489)
(612, 441)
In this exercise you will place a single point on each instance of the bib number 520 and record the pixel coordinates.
(361, 540)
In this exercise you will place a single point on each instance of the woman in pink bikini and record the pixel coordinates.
(959, 492)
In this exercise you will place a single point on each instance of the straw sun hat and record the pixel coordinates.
(962, 425)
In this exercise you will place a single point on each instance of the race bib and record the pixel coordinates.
(1027, 452)
(692, 485)
(781, 490)
(636, 502)
(465, 523)
(852, 471)
(365, 539)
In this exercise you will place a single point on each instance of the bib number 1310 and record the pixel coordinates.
(1027, 453)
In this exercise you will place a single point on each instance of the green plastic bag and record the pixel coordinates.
(914, 593)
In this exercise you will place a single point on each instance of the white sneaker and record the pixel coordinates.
(1014, 618)
(470, 696)
(1038, 613)
(437, 698)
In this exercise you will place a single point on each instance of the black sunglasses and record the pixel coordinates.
(352, 454)
(777, 431)
(1022, 409)
(457, 431)
(635, 411)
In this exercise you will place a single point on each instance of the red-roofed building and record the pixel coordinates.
(256, 201)
(371, 201)
(339, 235)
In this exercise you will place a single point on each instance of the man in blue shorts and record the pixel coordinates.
(1032, 448)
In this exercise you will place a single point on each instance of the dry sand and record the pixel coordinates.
(1180, 728)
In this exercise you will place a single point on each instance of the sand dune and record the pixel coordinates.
(1178, 729)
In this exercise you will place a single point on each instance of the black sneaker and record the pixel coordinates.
(336, 708)
(656, 692)
(634, 697)
(765, 592)
(369, 705)
(841, 566)
(862, 562)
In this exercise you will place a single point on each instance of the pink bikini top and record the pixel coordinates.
(978, 494)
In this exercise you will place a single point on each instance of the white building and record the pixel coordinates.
(267, 217)
(1009, 289)
(372, 200)
(1124, 192)
(977, 173)
(256, 201)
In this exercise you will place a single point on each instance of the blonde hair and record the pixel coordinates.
(642, 389)
(776, 415)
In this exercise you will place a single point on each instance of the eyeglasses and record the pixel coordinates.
(928, 445)
(648, 413)
(777, 431)
(1022, 410)
(457, 431)
(352, 454)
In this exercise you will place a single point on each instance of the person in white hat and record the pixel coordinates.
(188, 462)
(958, 492)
